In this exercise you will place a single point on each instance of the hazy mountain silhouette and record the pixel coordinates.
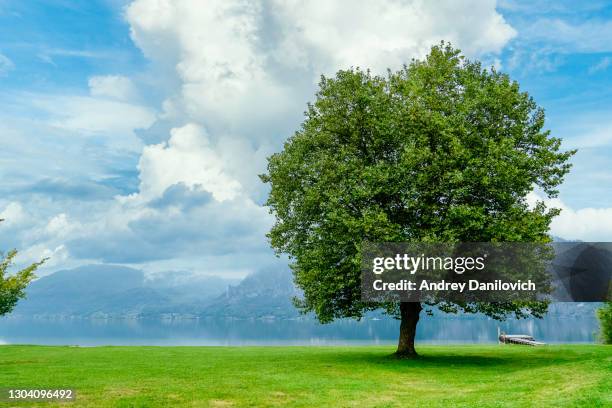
(117, 291)
(267, 293)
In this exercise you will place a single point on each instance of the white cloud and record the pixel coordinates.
(43, 241)
(187, 158)
(59, 226)
(12, 214)
(240, 73)
(235, 76)
(384, 34)
(585, 224)
(114, 122)
(6, 65)
(245, 69)
(243, 64)
(218, 60)
(55, 256)
(113, 86)
(87, 115)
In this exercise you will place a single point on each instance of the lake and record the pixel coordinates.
(438, 330)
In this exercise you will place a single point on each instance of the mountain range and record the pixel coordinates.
(109, 291)
(116, 291)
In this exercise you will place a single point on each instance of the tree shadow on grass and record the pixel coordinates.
(453, 360)
(508, 360)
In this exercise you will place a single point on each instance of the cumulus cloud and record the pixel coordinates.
(187, 158)
(186, 204)
(585, 224)
(383, 34)
(244, 70)
(186, 207)
(60, 226)
(12, 214)
(244, 63)
(182, 197)
(235, 76)
(222, 70)
(59, 169)
(181, 221)
(20, 224)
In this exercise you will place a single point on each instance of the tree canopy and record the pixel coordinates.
(442, 150)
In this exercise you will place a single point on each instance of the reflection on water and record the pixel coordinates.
(88, 332)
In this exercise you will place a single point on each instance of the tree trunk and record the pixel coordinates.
(409, 312)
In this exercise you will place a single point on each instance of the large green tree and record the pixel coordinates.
(443, 150)
(12, 287)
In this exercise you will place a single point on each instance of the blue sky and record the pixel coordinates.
(133, 132)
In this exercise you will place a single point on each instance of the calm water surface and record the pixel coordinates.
(87, 332)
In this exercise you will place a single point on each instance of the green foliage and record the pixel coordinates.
(440, 151)
(604, 315)
(12, 288)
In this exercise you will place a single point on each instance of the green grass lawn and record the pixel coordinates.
(481, 376)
